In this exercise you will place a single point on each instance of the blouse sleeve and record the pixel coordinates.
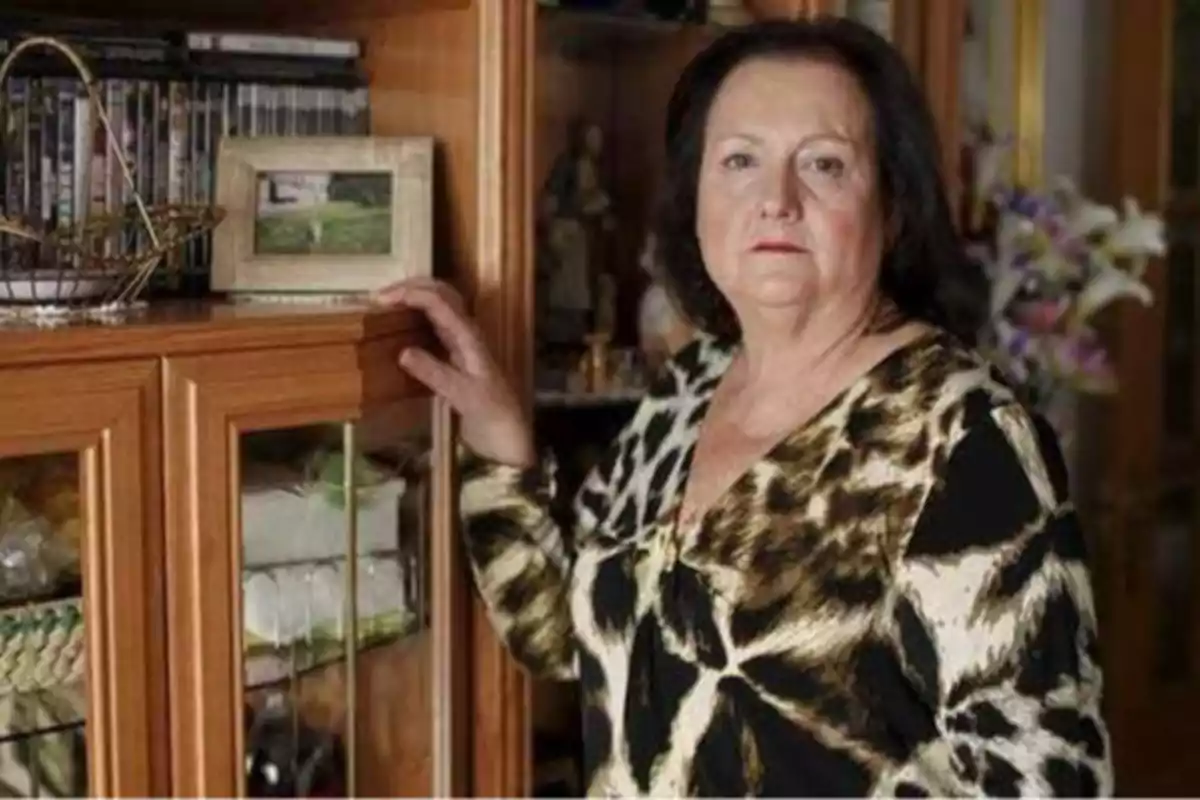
(996, 629)
(521, 560)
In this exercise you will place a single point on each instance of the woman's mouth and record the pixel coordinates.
(776, 246)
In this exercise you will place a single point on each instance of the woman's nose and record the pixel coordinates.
(781, 195)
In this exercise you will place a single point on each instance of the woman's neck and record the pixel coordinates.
(775, 349)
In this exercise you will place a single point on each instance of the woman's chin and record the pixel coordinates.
(780, 290)
(772, 298)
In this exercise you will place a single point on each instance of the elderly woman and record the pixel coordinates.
(831, 554)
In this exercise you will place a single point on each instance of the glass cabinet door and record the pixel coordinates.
(81, 702)
(337, 666)
(43, 703)
(333, 553)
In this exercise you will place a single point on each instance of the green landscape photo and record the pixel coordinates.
(323, 213)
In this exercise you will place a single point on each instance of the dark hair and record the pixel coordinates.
(925, 271)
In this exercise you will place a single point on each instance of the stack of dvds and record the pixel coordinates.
(170, 96)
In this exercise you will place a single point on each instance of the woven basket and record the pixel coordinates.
(41, 645)
(89, 264)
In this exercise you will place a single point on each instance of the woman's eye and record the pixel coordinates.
(828, 165)
(737, 161)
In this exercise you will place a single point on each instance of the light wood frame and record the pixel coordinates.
(238, 268)
(210, 401)
(108, 414)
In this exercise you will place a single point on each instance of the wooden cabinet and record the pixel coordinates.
(225, 463)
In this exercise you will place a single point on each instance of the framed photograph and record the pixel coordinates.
(328, 215)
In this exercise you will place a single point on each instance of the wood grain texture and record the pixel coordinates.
(168, 329)
(503, 305)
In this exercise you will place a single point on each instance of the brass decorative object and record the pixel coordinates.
(90, 265)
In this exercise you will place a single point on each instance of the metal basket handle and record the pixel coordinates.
(101, 114)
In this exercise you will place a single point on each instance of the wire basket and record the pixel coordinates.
(98, 263)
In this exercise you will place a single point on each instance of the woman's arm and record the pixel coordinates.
(521, 560)
(995, 624)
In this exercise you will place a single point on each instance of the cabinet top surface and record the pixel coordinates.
(176, 328)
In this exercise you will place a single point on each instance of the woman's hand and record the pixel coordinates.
(493, 423)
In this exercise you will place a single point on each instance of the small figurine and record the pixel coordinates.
(575, 213)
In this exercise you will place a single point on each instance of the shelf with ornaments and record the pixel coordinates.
(598, 158)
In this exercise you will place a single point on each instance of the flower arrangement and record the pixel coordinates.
(1053, 258)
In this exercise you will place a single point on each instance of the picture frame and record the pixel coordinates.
(322, 215)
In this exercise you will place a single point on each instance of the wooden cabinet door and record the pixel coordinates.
(285, 680)
(82, 668)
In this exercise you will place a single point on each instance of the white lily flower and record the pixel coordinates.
(1083, 217)
(1061, 239)
(1137, 234)
(1108, 285)
(1055, 265)
(1012, 234)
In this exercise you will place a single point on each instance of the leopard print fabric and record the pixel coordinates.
(893, 602)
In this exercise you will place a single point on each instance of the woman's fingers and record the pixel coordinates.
(443, 308)
(439, 376)
(395, 293)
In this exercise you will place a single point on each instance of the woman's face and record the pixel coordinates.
(788, 215)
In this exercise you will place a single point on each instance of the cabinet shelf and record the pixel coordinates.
(287, 667)
(586, 34)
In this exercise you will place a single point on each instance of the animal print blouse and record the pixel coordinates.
(893, 602)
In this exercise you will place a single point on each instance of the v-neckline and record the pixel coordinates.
(677, 522)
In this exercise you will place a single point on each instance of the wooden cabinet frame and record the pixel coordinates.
(210, 400)
(109, 415)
